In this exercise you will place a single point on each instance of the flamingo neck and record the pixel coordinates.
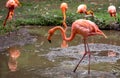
(89, 13)
(64, 14)
(63, 33)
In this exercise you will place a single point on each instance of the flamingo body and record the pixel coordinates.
(12, 3)
(112, 10)
(82, 8)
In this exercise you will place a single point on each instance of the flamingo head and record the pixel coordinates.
(113, 14)
(90, 12)
(50, 33)
(64, 6)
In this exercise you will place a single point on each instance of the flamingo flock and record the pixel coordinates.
(82, 27)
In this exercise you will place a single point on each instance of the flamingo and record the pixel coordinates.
(83, 27)
(82, 8)
(112, 11)
(11, 5)
(64, 8)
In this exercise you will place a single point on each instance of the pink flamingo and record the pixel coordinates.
(112, 11)
(64, 8)
(11, 5)
(82, 27)
(83, 9)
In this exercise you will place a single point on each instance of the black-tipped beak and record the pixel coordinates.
(49, 41)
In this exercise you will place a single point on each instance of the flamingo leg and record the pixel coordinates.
(85, 45)
(64, 20)
(6, 19)
(89, 55)
(115, 19)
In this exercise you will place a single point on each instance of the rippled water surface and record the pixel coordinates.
(44, 60)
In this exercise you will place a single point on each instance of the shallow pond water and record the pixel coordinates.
(44, 60)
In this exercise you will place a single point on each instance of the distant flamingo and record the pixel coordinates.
(82, 27)
(64, 8)
(11, 5)
(112, 11)
(83, 9)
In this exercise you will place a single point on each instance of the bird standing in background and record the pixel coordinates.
(112, 11)
(83, 27)
(64, 8)
(82, 8)
(11, 5)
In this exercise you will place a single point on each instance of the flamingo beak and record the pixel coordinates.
(49, 41)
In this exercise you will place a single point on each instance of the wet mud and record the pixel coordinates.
(16, 38)
(99, 52)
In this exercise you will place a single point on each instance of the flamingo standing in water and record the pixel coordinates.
(112, 11)
(11, 5)
(64, 8)
(82, 27)
(82, 8)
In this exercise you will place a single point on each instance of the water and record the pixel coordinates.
(44, 60)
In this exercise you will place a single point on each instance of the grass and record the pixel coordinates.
(48, 13)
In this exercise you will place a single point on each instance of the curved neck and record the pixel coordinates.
(89, 12)
(63, 33)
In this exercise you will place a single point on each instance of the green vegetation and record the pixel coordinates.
(48, 13)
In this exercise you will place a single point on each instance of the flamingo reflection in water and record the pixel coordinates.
(82, 27)
(11, 5)
(111, 53)
(14, 54)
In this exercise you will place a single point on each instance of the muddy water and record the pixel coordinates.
(44, 60)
